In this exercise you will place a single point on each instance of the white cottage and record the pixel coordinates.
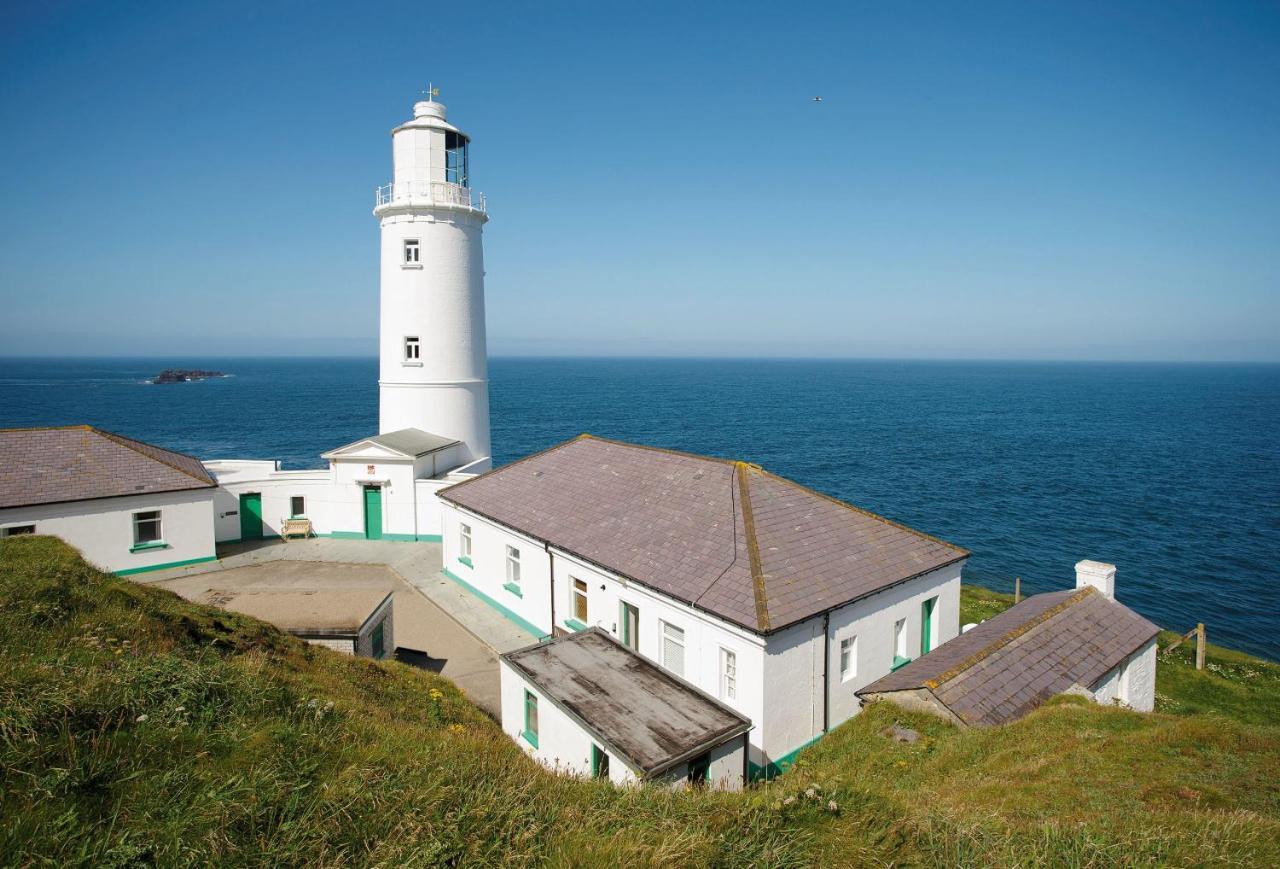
(128, 506)
(777, 600)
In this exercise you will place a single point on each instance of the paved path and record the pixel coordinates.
(459, 634)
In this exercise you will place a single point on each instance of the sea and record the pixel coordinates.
(1171, 471)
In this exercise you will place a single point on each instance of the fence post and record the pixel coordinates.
(1200, 646)
(1017, 589)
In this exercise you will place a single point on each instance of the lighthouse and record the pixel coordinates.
(433, 373)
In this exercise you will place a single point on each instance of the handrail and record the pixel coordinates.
(430, 193)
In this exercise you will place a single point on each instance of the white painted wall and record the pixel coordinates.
(487, 571)
(439, 299)
(102, 529)
(1132, 683)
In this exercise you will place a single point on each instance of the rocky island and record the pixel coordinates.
(184, 375)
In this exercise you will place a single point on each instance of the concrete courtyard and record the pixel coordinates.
(439, 625)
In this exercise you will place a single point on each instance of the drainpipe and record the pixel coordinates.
(551, 572)
(826, 671)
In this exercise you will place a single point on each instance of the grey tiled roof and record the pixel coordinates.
(727, 537)
(406, 441)
(78, 463)
(1009, 664)
(641, 710)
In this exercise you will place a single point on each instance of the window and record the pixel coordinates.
(15, 530)
(673, 648)
(513, 566)
(411, 252)
(297, 507)
(146, 527)
(848, 658)
(580, 600)
(412, 348)
(900, 658)
(455, 159)
(728, 675)
(464, 543)
(530, 719)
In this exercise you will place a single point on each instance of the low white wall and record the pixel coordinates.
(102, 529)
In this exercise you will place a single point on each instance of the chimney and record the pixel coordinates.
(1098, 574)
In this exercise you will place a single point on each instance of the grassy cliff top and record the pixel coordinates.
(138, 728)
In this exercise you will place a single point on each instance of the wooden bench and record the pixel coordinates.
(295, 528)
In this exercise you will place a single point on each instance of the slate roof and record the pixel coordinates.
(1010, 664)
(79, 463)
(725, 537)
(641, 711)
(410, 442)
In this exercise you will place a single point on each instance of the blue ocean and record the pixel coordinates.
(1170, 471)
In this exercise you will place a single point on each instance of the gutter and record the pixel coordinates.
(826, 671)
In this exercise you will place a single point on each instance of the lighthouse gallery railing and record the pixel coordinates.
(436, 192)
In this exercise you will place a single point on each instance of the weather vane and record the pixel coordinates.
(431, 92)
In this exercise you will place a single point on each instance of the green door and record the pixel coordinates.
(373, 512)
(251, 516)
(926, 625)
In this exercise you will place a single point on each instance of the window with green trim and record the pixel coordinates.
(146, 527)
(530, 718)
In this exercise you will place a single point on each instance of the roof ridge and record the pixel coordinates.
(519, 461)
(1008, 637)
(128, 443)
(78, 427)
(681, 453)
(856, 509)
(753, 548)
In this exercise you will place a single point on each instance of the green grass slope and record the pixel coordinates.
(138, 728)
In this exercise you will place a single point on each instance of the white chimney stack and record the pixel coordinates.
(1098, 574)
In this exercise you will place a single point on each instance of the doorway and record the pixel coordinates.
(926, 625)
(373, 512)
(251, 516)
(630, 626)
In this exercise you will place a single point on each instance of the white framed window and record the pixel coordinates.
(146, 527)
(412, 252)
(15, 530)
(464, 541)
(900, 638)
(412, 348)
(673, 648)
(579, 600)
(848, 658)
(728, 675)
(297, 507)
(513, 566)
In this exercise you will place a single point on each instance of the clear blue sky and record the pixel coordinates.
(1072, 180)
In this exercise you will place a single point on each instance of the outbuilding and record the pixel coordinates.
(352, 622)
(1080, 641)
(585, 704)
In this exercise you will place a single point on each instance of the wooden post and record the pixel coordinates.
(1017, 589)
(1200, 646)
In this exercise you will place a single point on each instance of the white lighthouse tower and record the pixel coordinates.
(433, 373)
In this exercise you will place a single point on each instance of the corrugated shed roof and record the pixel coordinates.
(732, 539)
(641, 710)
(79, 463)
(1010, 664)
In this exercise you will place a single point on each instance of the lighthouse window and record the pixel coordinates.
(455, 159)
(411, 348)
(411, 251)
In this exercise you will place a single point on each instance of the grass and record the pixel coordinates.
(138, 728)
